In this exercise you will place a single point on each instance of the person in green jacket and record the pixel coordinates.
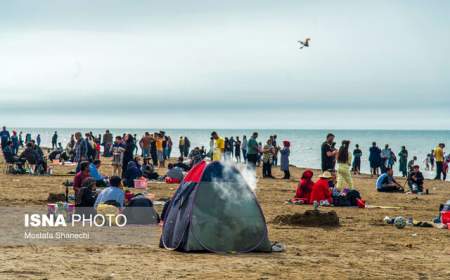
(403, 159)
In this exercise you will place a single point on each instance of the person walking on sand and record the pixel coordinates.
(374, 159)
(439, 159)
(403, 160)
(357, 153)
(344, 159)
(328, 153)
(284, 159)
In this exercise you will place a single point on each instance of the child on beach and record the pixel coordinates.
(284, 161)
(117, 150)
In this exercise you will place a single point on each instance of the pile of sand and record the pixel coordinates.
(311, 218)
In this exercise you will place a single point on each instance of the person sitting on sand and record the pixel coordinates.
(41, 161)
(81, 176)
(415, 180)
(304, 188)
(387, 183)
(29, 154)
(95, 173)
(195, 156)
(182, 165)
(320, 190)
(85, 198)
(175, 172)
(133, 171)
(113, 193)
(148, 170)
(8, 153)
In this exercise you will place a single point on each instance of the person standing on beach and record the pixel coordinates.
(439, 158)
(403, 160)
(267, 159)
(357, 153)
(187, 146)
(4, 136)
(181, 146)
(160, 149)
(55, 140)
(144, 143)
(244, 148)
(169, 145)
(153, 152)
(252, 150)
(15, 142)
(284, 159)
(231, 142)
(219, 146)
(117, 150)
(38, 140)
(128, 154)
(374, 159)
(20, 139)
(276, 149)
(344, 159)
(328, 153)
(432, 160)
(80, 150)
(237, 149)
(385, 157)
(107, 143)
(411, 163)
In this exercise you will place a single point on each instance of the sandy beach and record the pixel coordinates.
(362, 247)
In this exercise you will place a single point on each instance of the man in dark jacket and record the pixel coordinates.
(107, 143)
(415, 180)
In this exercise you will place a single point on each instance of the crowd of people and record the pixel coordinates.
(132, 158)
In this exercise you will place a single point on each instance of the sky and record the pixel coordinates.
(225, 64)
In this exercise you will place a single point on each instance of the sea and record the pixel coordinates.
(305, 144)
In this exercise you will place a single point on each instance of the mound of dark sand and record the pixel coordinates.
(311, 218)
(56, 197)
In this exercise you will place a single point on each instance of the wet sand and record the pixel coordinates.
(362, 247)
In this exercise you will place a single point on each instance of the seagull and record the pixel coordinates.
(305, 43)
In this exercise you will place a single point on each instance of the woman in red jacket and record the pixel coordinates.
(320, 191)
(304, 188)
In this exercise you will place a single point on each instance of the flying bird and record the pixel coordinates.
(305, 43)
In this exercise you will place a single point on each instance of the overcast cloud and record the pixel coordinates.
(225, 64)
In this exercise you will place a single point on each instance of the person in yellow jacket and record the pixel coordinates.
(219, 146)
(344, 159)
(439, 159)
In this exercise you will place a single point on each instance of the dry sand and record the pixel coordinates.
(362, 247)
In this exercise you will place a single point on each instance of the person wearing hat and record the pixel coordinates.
(415, 180)
(320, 190)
